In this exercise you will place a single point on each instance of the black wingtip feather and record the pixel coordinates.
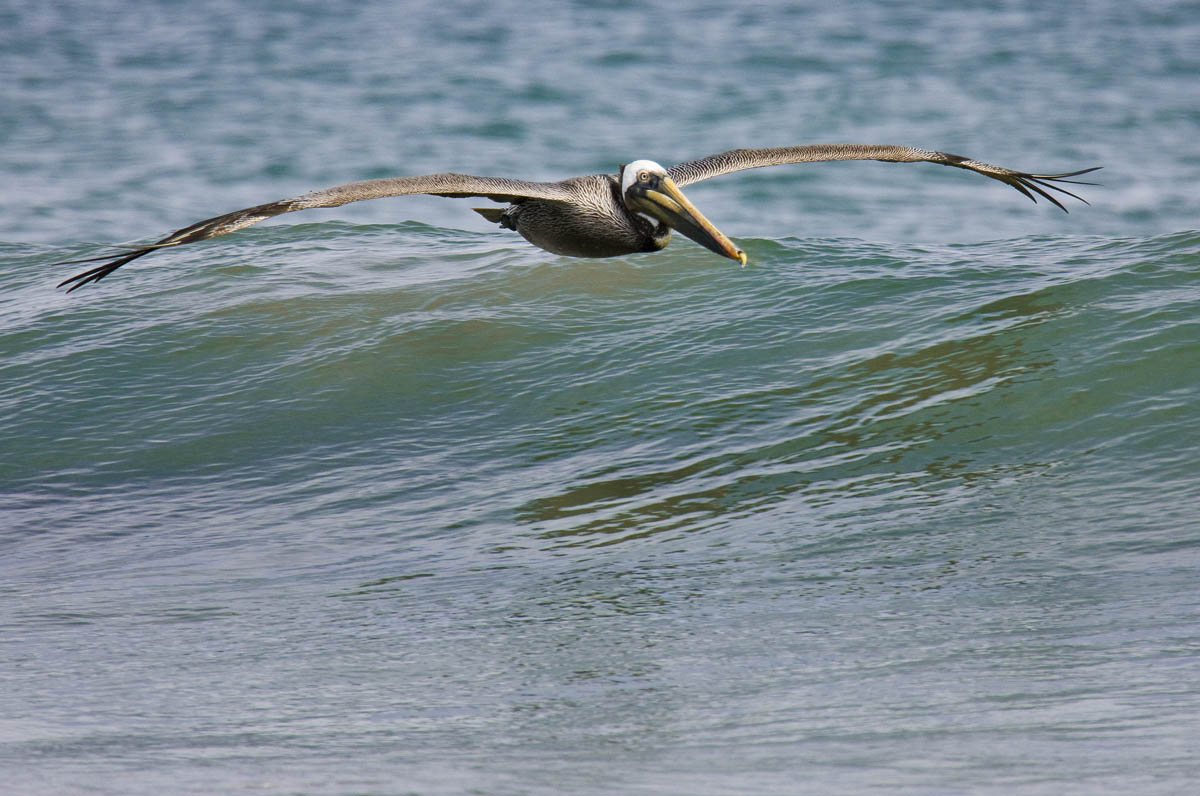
(1029, 184)
(100, 271)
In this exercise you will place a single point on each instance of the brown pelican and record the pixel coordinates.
(602, 215)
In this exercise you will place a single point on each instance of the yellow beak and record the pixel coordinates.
(663, 199)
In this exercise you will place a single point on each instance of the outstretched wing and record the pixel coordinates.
(739, 159)
(498, 189)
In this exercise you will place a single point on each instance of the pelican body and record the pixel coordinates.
(600, 215)
(610, 215)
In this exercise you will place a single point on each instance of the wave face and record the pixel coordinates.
(596, 489)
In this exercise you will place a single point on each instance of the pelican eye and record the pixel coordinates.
(643, 176)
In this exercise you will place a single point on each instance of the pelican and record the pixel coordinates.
(600, 215)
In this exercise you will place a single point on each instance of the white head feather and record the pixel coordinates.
(632, 170)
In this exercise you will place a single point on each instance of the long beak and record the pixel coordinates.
(667, 203)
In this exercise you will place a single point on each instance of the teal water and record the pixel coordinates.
(384, 500)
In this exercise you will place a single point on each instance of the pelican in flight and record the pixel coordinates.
(601, 215)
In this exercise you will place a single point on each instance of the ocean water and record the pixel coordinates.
(381, 499)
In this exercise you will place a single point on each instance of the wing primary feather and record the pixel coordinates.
(101, 271)
(1037, 183)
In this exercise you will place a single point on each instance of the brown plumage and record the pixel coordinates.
(601, 215)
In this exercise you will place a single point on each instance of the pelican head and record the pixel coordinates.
(650, 192)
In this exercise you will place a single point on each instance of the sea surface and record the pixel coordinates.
(383, 500)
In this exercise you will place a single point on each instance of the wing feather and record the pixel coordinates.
(498, 189)
(740, 159)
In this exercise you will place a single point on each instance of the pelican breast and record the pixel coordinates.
(595, 223)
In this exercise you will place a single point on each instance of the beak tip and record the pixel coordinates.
(741, 256)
